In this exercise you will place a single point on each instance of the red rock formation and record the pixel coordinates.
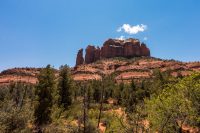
(132, 48)
(90, 54)
(124, 48)
(116, 48)
(25, 75)
(139, 70)
(97, 54)
(144, 50)
(112, 48)
(79, 58)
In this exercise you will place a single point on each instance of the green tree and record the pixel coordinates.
(177, 104)
(15, 108)
(142, 93)
(131, 101)
(133, 86)
(96, 85)
(65, 87)
(89, 92)
(46, 86)
(135, 119)
(119, 92)
(160, 81)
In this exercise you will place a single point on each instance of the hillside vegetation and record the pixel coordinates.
(57, 103)
(137, 68)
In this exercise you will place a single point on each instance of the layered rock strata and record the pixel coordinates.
(113, 48)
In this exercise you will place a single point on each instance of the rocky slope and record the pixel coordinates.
(136, 68)
(27, 75)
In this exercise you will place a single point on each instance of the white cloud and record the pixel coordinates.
(121, 38)
(127, 28)
(145, 38)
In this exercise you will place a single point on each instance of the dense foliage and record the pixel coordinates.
(58, 104)
(16, 108)
(176, 105)
(44, 98)
(65, 85)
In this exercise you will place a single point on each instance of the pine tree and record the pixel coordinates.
(44, 99)
(109, 84)
(89, 95)
(132, 86)
(65, 87)
(119, 93)
(97, 90)
(143, 92)
(132, 99)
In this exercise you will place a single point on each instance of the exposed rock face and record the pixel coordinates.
(79, 58)
(115, 48)
(25, 75)
(132, 48)
(112, 48)
(138, 69)
(97, 54)
(124, 48)
(144, 50)
(90, 54)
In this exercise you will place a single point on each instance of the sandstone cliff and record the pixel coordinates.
(114, 48)
(26, 75)
(137, 68)
(79, 59)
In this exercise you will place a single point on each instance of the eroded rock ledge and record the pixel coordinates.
(113, 48)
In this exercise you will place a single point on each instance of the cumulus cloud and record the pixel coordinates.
(127, 28)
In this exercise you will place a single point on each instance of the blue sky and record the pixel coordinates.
(34, 33)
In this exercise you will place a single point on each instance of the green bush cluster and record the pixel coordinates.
(58, 104)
